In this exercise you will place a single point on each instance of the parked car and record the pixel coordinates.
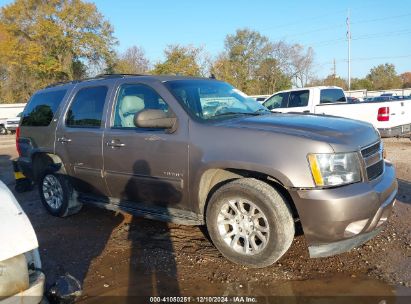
(390, 117)
(143, 145)
(352, 100)
(12, 123)
(3, 130)
(21, 278)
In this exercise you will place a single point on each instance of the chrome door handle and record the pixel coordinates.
(64, 140)
(115, 144)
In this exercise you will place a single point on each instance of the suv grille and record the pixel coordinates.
(371, 150)
(373, 159)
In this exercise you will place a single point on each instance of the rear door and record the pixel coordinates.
(80, 136)
(298, 102)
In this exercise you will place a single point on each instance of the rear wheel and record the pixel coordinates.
(57, 194)
(3, 130)
(250, 222)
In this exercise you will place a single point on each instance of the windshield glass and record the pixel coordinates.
(207, 99)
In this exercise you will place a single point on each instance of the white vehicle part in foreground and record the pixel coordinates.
(16, 233)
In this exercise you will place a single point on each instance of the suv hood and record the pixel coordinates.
(16, 232)
(341, 133)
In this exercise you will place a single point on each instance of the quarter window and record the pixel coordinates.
(40, 110)
(86, 110)
(332, 96)
(134, 98)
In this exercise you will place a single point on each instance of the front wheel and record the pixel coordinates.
(57, 194)
(250, 222)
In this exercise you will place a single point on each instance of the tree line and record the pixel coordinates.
(381, 77)
(43, 42)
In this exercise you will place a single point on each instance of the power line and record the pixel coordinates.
(363, 59)
(381, 19)
(363, 37)
(340, 25)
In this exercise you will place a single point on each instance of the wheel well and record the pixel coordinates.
(42, 161)
(213, 179)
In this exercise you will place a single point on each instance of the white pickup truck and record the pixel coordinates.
(391, 118)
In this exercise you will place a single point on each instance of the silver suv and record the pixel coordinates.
(198, 151)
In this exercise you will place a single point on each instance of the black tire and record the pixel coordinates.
(69, 203)
(271, 204)
(3, 130)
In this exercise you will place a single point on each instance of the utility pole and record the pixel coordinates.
(349, 49)
(334, 71)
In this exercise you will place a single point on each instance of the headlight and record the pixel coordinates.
(335, 169)
(14, 276)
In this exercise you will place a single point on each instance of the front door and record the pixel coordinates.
(144, 166)
(79, 139)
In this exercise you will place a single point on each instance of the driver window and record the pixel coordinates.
(134, 98)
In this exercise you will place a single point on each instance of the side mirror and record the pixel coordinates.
(157, 119)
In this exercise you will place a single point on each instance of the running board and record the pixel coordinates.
(172, 215)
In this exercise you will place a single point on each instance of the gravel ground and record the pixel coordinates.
(116, 254)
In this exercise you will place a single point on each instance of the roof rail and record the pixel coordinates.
(99, 76)
(114, 75)
(55, 84)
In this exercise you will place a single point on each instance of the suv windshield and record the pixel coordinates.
(209, 100)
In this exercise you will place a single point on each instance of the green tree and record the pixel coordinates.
(132, 61)
(384, 77)
(334, 80)
(270, 77)
(361, 84)
(49, 41)
(181, 60)
(238, 64)
(406, 79)
(256, 65)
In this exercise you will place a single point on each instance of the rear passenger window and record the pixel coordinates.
(134, 98)
(298, 99)
(86, 110)
(332, 96)
(276, 101)
(41, 108)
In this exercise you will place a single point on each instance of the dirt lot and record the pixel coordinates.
(116, 254)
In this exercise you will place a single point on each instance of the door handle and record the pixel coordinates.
(115, 144)
(64, 140)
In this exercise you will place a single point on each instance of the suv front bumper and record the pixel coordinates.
(339, 219)
(32, 295)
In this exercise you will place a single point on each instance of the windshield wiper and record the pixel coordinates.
(262, 111)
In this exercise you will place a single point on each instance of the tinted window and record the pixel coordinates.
(332, 96)
(133, 98)
(41, 108)
(277, 101)
(86, 110)
(298, 99)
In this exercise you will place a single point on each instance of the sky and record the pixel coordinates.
(380, 30)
